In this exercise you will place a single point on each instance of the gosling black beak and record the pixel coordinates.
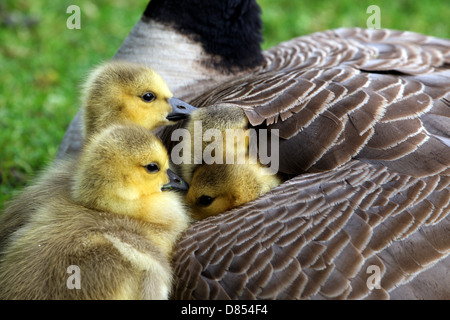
(175, 183)
(180, 110)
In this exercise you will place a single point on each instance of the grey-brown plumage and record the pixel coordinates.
(351, 93)
(317, 236)
(19, 209)
(113, 222)
(376, 123)
(367, 117)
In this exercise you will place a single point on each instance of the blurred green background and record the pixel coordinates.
(43, 63)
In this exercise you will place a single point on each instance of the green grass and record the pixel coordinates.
(43, 63)
(285, 19)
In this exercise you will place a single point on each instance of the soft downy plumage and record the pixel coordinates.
(115, 92)
(116, 222)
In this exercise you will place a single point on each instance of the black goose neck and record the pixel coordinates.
(229, 30)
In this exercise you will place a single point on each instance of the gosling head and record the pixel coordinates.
(217, 188)
(118, 92)
(125, 170)
(226, 125)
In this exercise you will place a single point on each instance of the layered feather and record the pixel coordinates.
(322, 236)
(367, 114)
(351, 94)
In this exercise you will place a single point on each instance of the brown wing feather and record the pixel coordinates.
(380, 96)
(337, 95)
(316, 236)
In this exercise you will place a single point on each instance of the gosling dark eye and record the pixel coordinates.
(148, 97)
(205, 201)
(152, 168)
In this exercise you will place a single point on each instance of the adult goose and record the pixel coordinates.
(365, 115)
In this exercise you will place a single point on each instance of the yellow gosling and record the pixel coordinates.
(116, 92)
(119, 92)
(110, 234)
(218, 187)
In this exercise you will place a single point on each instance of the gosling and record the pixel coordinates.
(116, 92)
(109, 235)
(120, 92)
(218, 187)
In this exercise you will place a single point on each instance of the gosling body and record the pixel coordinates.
(114, 226)
(113, 94)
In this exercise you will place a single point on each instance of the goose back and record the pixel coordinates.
(359, 232)
(351, 94)
(363, 118)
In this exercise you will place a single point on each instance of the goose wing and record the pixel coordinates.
(366, 49)
(377, 95)
(369, 110)
(361, 231)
